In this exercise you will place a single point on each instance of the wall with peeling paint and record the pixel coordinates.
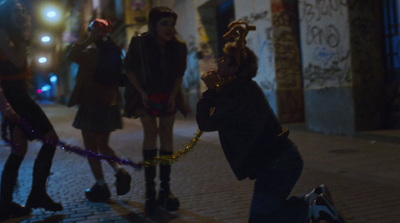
(342, 65)
(326, 60)
(283, 87)
(315, 61)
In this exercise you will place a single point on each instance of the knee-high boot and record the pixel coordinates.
(165, 197)
(38, 197)
(9, 178)
(149, 175)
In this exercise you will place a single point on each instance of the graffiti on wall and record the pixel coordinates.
(254, 17)
(321, 9)
(205, 34)
(262, 44)
(191, 79)
(287, 51)
(325, 41)
(326, 73)
(265, 50)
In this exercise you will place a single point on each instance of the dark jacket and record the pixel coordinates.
(155, 76)
(87, 90)
(249, 132)
(8, 71)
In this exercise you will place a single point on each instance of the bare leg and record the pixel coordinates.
(123, 181)
(99, 191)
(102, 139)
(166, 133)
(150, 130)
(90, 143)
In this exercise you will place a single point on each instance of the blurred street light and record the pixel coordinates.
(43, 89)
(53, 78)
(51, 14)
(42, 60)
(47, 52)
(45, 39)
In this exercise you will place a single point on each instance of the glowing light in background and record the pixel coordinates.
(53, 79)
(42, 60)
(43, 89)
(45, 39)
(51, 14)
(46, 87)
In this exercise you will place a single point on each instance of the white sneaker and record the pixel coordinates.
(323, 209)
(314, 194)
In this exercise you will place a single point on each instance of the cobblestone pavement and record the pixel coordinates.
(362, 174)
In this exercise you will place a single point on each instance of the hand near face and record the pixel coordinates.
(210, 79)
(95, 34)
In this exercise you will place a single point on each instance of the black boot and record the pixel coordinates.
(98, 193)
(38, 198)
(9, 209)
(13, 210)
(123, 181)
(165, 197)
(149, 175)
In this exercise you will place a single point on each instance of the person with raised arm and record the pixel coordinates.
(255, 144)
(97, 95)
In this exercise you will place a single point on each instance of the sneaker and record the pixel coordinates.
(323, 209)
(98, 193)
(314, 193)
(13, 210)
(123, 182)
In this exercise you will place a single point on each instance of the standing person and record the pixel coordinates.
(15, 103)
(97, 94)
(255, 144)
(156, 63)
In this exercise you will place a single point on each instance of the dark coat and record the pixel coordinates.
(249, 132)
(87, 90)
(155, 76)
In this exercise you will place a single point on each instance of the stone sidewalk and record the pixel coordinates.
(362, 174)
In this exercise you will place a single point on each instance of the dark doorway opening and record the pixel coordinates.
(392, 61)
(225, 15)
(392, 39)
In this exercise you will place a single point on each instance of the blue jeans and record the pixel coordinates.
(272, 187)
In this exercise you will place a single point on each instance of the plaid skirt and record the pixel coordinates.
(98, 118)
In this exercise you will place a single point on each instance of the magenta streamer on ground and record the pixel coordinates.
(64, 146)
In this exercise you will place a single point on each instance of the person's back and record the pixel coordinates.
(247, 127)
